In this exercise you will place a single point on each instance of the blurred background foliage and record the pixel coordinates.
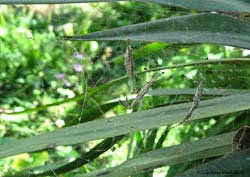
(38, 69)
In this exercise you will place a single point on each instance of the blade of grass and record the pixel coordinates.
(233, 164)
(143, 52)
(124, 124)
(198, 28)
(65, 167)
(201, 5)
(209, 5)
(210, 147)
(121, 79)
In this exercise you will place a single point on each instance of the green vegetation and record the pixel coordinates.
(63, 77)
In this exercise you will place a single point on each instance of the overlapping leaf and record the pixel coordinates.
(124, 124)
(210, 147)
(198, 28)
(234, 164)
(209, 5)
(245, 61)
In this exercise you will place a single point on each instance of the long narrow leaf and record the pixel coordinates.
(234, 164)
(201, 5)
(198, 28)
(120, 79)
(191, 91)
(124, 124)
(143, 52)
(210, 147)
(62, 167)
(209, 5)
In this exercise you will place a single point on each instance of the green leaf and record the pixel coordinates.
(143, 52)
(191, 91)
(184, 91)
(65, 166)
(210, 147)
(89, 114)
(244, 61)
(198, 28)
(202, 5)
(209, 5)
(234, 164)
(124, 124)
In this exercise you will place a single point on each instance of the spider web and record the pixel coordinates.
(79, 66)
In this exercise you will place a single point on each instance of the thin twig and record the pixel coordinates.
(85, 96)
(140, 94)
(196, 99)
(124, 103)
(130, 67)
(143, 91)
(52, 170)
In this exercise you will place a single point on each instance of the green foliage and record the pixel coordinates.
(56, 108)
(187, 29)
(224, 165)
